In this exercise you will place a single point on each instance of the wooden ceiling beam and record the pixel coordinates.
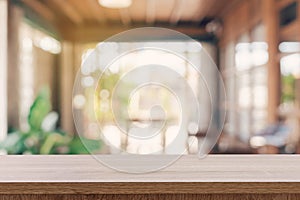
(177, 12)
(89, 34)
(96, 10)
(40, 9)
(150, 11)
(125, 16)
(68, 10)
(81, 7)
(204, 9)
(227, 8)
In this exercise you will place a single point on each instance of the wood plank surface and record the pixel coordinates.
(156, 197)
(215, 174)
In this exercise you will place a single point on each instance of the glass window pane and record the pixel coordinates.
(244, 123)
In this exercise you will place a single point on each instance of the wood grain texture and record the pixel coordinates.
(216, 174)
(271, 22)
(156, 196)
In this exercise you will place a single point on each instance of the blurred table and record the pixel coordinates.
(215, 177)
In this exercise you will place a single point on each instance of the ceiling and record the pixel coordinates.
(88, 14)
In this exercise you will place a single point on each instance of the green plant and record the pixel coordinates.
(288, 88)
(43, 137)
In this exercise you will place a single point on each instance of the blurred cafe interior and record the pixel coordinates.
(43, 43)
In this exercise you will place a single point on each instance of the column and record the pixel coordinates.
(270, 18)
(66, 86)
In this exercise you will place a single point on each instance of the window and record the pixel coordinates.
(245, 76)
(37, 62)
(144, 98)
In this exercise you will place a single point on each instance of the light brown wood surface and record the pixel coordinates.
(271, 21)
(216, 174)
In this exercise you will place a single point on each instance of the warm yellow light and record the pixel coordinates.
(115, 3)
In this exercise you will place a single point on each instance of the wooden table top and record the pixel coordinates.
(82, 174)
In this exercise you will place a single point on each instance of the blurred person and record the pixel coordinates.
(273, 139)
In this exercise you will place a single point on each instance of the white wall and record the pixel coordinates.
(3, 68)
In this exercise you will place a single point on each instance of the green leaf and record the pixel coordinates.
(46, 140)
(14, 143)
(39, 109)
(77, 147)
(53, 140)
